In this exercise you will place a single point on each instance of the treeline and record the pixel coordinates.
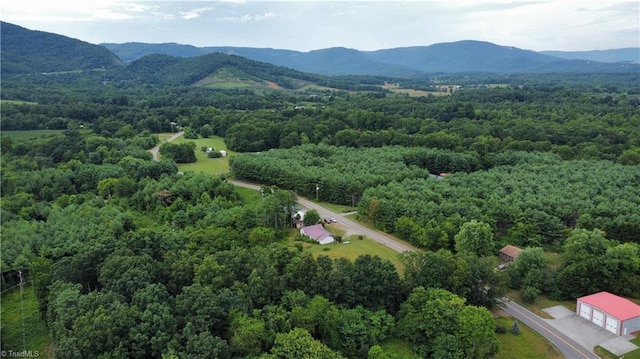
(142, 264)
(342, 174)
(531, 203)
(568, 121)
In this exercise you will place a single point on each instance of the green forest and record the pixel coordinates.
(130, 257)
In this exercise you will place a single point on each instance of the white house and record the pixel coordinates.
(318, 233)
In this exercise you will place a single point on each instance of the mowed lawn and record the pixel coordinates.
(355, 248)
(214, 166)
(527, 345)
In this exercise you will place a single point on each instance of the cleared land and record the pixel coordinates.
(22, 327)
(214, 166)
(355, 248)
(528, 344)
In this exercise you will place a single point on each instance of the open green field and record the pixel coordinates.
(17, 102)
(528, 344)
(338, 208)
(398, 349)
(214, 166)
(541, 302)
(355, 248)
(28, 135)
(22, 326)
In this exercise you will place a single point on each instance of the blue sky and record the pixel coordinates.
(568, 25)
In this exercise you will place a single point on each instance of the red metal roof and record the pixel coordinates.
(316, 232)
(619, 307)
(511, 251)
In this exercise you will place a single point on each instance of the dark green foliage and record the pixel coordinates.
(181, 153)
(545, 198)
(311, 217)
(27, 51)
(341, 173)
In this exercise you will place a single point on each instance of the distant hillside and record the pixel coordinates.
(464, 56)
(131, 51)
(629, 54)
(330, 62)
(454, 57)
(222, 71)
(28, 51)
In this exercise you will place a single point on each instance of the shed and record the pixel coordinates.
(318, 233)
(618, 315)
(509, 253)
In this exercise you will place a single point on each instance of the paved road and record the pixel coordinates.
(154, 151)
(348, 225)
(568, 347)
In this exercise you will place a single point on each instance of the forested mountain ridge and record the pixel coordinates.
(627, 54)
(27, 51)
(211, 70)
(454, 57)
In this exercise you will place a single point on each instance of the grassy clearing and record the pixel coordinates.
(338, 208)
(214, 166)
(28, 135)
(603, 353)
(16, 102)
(249, 195)
(528, 344)
(398, 349)
(356, 247)
(36, 335)
(541, 302)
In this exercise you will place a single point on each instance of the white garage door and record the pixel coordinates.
(598, 317)
(612, 325)
(585, 311)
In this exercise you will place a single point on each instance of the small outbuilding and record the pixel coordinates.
(318, 233)
(509, 253)
(618, 315)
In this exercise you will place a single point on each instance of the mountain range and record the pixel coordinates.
(28, 51)
(453, 57)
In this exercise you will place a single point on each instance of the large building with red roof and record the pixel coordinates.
(618, 315)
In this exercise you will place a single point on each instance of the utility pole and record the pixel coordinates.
(24, 341)
(317, 190)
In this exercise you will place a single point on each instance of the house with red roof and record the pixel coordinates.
(509, 253)
(318, 233)
(618, 315)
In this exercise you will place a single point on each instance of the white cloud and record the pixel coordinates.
(194, 13)
(242, 19)
(361, 24)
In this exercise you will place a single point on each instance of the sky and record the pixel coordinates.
(303, 25)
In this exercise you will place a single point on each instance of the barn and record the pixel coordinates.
(509, 253)
(618, 315)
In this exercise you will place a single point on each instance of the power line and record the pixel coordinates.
(24, 340)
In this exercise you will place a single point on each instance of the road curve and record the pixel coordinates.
(154, 151)
(350, 226)
(566, 346)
